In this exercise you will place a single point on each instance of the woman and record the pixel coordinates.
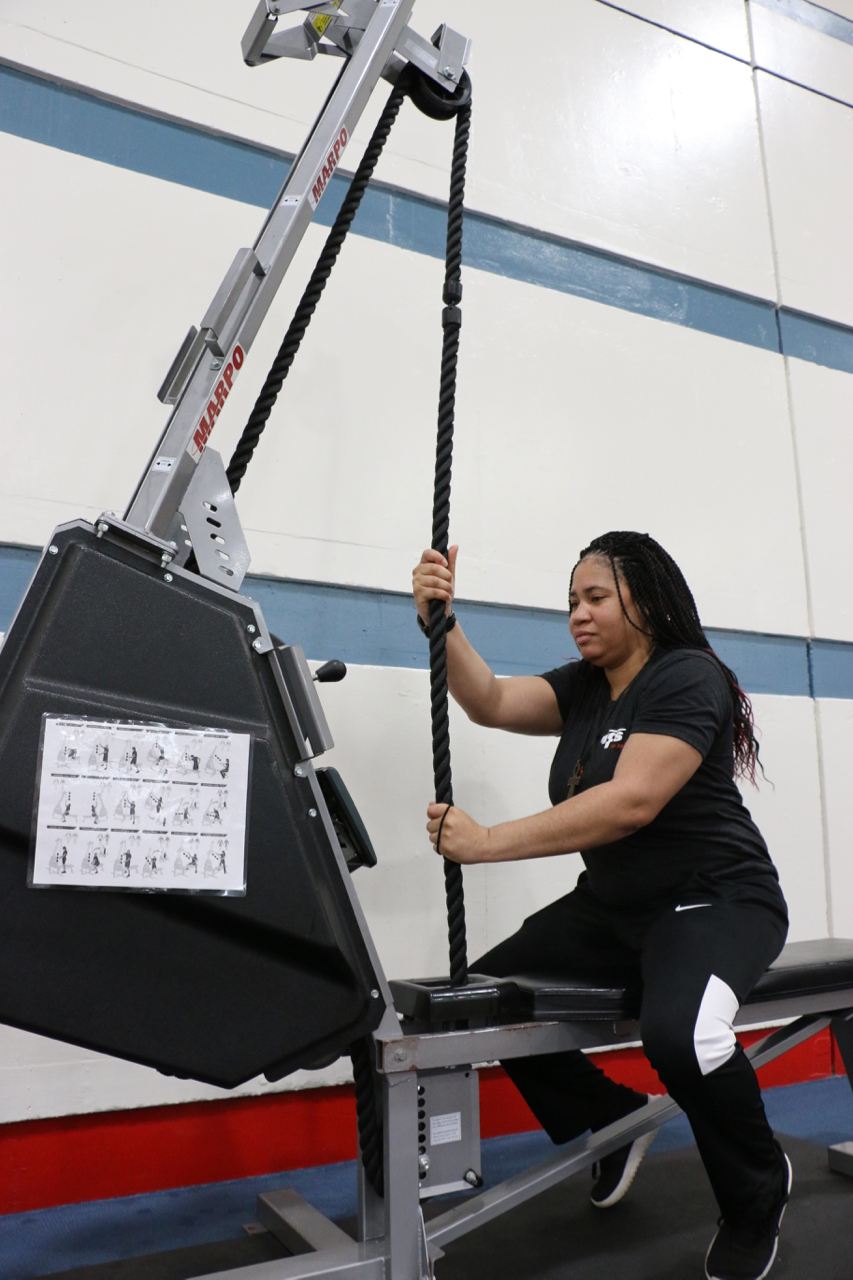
(679, 893)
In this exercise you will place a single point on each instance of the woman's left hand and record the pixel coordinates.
(462, 839)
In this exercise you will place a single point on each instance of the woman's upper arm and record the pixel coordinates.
(652, 768)
(525, 704)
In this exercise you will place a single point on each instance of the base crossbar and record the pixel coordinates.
(582, 1153)
(394, 1243)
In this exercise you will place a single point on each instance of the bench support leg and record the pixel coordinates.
(405, 1240)
(841, 1154)
(371, 1211)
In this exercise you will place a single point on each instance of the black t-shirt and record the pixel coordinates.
(703, 841)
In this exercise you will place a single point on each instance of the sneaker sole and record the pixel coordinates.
(632, 1164)
(766, 1270)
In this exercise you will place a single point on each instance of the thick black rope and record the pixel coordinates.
(367, 1114)
(302, 318)
(452, 321)
(369, 1124)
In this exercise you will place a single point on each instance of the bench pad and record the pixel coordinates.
(803, 969)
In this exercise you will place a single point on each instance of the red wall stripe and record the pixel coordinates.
(121, 1153)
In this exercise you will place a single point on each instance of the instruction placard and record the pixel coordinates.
(141, 807)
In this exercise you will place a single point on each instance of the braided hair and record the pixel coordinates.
(666, 603)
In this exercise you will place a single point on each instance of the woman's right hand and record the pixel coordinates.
(434, 578)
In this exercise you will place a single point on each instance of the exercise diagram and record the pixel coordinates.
(153, 807)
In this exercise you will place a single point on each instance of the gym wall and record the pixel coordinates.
(658, 334)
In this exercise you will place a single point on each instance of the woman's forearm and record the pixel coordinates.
(601, 815)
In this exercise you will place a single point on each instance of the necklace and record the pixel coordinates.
(589, 743)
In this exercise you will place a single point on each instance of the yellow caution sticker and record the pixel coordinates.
(322, 20)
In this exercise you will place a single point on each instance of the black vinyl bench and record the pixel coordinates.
(807, 978)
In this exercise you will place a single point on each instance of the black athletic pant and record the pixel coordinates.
(697, 960)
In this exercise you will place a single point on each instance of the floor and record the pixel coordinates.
(660, 1230)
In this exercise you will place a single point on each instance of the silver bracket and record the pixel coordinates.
(336, 27)
(442, 58)
(181, 367)
(448, 1131)
(108, 525)
(230, 302)
(211, 524)
(312, 721)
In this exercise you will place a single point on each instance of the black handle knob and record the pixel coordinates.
(331, 672)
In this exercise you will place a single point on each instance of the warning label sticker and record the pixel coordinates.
(446, 1128)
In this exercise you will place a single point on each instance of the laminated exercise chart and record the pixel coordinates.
(140, 806)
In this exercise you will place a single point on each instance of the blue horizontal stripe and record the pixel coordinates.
(378, 628)
(832, 669)
(766, 664)
(84, 124)
(815, 340)
(17, 565)
(812, 15)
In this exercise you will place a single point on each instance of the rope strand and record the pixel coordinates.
(302, 317)
(452, 321)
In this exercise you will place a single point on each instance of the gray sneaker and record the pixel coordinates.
(615, 1173)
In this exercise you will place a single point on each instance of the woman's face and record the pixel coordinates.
(599, 628)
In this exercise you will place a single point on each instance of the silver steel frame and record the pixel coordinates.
(393, 1241)
(373, 41)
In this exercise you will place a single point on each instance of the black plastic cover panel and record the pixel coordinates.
(218, 989)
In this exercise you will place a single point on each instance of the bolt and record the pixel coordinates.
(400, 1055)
(448, 71)
(102, 527)
(312, 813)
(251, 629)
(423, 1163)
(374, 995)
(167, 577)
(257, 645)
(54, 551)
(266, 268)
(299, 772)
(216, 364)
(472, 1179)
(109, 513)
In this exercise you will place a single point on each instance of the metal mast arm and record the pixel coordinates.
(203, 373)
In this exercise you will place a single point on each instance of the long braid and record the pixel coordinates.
(666, 603)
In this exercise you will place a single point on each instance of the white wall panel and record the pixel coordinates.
(630, 138)
(809, 148)
(822, 410)
(103, 296)
(616, 132)
(172, 58)
(787, 808)
(844, 7)
(797, 52)
(573, 416)
(720, 24)
(835, 720)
